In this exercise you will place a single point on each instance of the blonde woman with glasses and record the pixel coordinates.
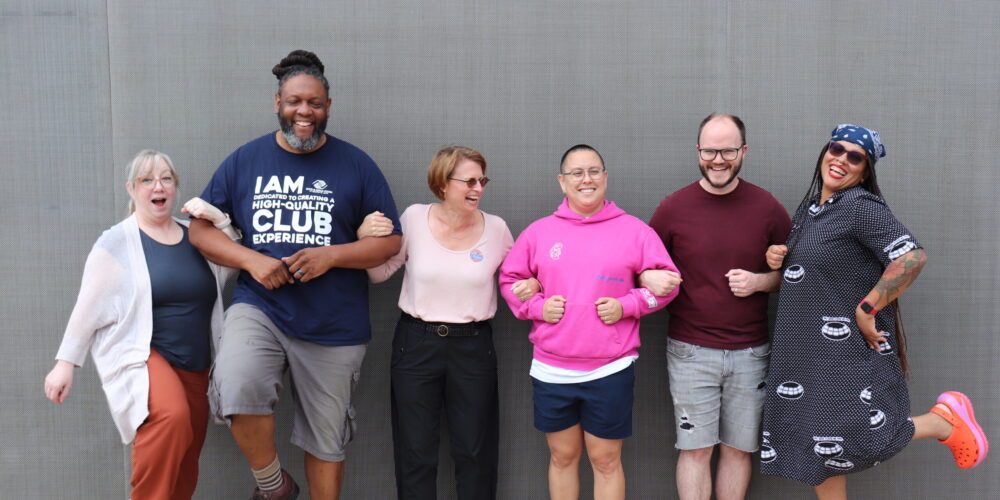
(149, 311)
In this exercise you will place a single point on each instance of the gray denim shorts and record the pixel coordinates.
(717, 393)
(247, 377)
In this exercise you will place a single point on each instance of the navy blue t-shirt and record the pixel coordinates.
(284, 202)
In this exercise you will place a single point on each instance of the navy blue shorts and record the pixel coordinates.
(602, 406)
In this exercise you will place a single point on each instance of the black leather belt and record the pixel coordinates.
(447, 329)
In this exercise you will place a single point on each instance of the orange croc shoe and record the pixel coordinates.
(967, 442)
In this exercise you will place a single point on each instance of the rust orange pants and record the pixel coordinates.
(167, 445)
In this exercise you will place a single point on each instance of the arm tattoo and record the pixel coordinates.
(899, 275)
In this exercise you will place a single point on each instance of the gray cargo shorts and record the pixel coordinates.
(247, 377)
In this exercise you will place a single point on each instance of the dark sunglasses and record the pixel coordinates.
(471, 182)
(853, 157)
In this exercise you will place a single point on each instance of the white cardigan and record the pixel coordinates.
(113, 317)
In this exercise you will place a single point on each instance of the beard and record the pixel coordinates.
(734, 170)
(307, 145)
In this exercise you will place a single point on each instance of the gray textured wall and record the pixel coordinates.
(86, 84)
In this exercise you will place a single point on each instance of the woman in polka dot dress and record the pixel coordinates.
(837, 401)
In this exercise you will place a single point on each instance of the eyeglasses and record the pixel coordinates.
(577, 173)
(471, 182)
(728, 154)
(837, 149)
(148, 182)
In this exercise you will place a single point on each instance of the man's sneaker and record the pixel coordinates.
(288, 491)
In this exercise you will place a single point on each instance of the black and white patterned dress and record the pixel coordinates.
(833, 405)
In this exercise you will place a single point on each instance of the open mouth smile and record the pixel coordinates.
(836, 171)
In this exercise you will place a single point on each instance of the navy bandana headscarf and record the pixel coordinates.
(866, 138)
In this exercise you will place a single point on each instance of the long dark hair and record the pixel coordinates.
(870, 184)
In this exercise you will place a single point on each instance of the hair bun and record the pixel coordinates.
(297, 58)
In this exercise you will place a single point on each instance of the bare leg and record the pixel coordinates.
(694, 474)
(565, 448)
(606, 459)
(325, 478)
(834, 488)
(733, 475)
(254, 434)
(930, 425)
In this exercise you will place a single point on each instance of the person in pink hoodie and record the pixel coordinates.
(586, 256)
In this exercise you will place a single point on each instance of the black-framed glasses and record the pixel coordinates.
(728, 154)
(471, 182)
(837, 149)
(577, 173)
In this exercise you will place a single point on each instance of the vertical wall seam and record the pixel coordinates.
(111, 113)
(123, 479)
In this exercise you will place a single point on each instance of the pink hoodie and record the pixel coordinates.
(584, 259)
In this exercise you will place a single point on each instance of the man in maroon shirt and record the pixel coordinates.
(717, 230)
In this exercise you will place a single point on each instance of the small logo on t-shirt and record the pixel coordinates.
(556, 251)
(476, 255)
(319, 186)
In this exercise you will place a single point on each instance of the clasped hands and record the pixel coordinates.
(608, 309)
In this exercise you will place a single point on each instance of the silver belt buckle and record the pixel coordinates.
(442, 330)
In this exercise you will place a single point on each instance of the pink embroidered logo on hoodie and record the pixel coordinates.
(556, 251)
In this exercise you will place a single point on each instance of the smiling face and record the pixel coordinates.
(719, 174)
(302, 106)
(457, 194)
(838, 173)
(586, 194)
(153, 190)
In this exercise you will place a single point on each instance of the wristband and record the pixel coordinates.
(867, 307)
(224, 224)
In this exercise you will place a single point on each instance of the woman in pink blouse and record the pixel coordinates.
(442, 352)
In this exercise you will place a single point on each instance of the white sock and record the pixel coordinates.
(269, 478)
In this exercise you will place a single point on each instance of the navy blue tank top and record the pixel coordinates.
(183, 297)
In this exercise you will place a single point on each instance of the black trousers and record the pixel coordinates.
(455, 368)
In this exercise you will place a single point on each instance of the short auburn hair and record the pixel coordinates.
(444, 163)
